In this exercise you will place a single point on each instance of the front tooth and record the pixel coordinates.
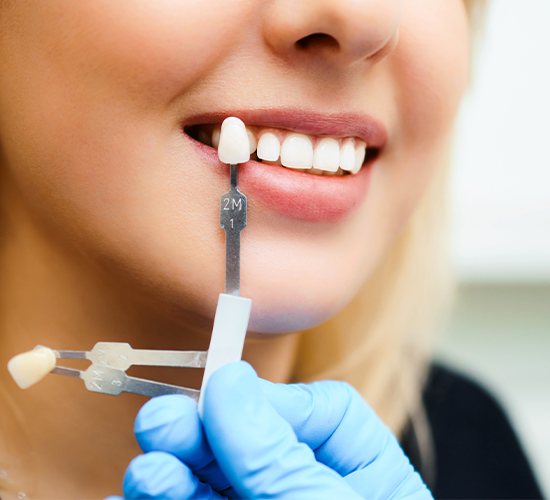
(251, 141)
(347, 155)
(269, 147)
(360, 151)
(297, 151)
(327, 155)
(234, 146)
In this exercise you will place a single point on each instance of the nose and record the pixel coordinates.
(340, 32)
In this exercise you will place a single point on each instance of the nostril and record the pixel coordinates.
(318, 40)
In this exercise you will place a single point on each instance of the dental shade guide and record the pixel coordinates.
(107, 371)
(110, 360)
(232, 311)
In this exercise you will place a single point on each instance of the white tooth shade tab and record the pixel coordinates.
(297, 151)
(234, 146)
(327, 155)
(347, 155)
(269, 147)
(30, 367)
(360, 151)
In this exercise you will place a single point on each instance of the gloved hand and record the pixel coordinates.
(260, 439)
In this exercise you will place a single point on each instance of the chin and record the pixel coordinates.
(270, 323)
(272, 317)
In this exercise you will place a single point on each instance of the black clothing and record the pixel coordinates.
(477, 453)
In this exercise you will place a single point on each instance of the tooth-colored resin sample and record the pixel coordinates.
(297, 151)
(30, 367)
(234, 146)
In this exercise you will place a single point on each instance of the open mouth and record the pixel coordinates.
(313, 154)
(341, 150)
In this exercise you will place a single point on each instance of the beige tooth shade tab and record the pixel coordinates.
(30, 367)
(234, 146)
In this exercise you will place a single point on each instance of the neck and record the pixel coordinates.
(52, 294)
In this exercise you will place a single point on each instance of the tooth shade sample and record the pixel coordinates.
(297, 151)
(234, 145)
(30, 367)
(347, 155)
(360, 151)
(269, 147)
(327, 155)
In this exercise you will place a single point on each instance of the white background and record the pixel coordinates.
(500, 332)
(502, 163)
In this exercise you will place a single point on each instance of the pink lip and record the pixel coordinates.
(294, 193)
(334, 124)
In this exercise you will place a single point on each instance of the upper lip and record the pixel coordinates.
(358, 125)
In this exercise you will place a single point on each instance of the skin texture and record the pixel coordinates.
(110, 218)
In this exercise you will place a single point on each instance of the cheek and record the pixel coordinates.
(85, 93)
(159, 49)
(431, 68)
(62, 62)
(146, 48)
(80, 78)
(430, 73)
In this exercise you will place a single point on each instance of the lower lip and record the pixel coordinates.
(293, 193)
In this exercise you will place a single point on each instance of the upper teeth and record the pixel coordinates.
(293, 150)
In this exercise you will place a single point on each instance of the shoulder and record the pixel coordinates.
(477, 452)
(456, 400)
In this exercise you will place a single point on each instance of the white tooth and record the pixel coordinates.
(269, 147)
(30, 367)
(360, 151)
(234, 146)
(327, 155)
(216, 137)
(297, 151)
(347, 155)
(251, 141)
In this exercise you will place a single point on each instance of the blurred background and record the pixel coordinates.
(500, 330)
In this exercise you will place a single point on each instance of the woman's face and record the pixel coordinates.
(95, 96)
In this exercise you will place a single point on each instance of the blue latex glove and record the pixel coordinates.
(259, 439)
